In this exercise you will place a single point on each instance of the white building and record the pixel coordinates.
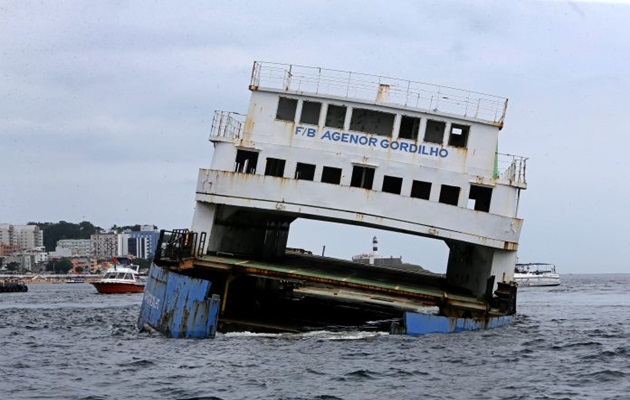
(5, 233)
(30, 260)
(77, 247)
(26, 237)
(61, 252)
(104, 245)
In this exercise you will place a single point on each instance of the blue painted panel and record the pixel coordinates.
(187, 310)
(178, 306)
(153, 299)
(421, 324)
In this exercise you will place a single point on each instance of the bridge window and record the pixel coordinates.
(335, 116)
(331, 175)
(275, 167)
(459, 135)
(371, 121)
(480, 197)
(246, 161)
(310, 112)
(434, 132)
(286, 109)
(409, 127)
(305, 171)
(449, 195)
(421, 189)
(392, 184)
(362, 177)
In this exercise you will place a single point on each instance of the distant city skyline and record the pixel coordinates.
(24, 245)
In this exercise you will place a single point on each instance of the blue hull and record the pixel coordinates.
(178, 306)
(422, 324)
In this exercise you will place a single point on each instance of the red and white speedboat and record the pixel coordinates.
(123, 277)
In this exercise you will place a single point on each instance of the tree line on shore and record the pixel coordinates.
(55, 231)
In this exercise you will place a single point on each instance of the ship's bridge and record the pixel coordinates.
(364, 150)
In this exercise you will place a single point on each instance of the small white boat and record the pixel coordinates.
(536, 274)
(123, 277)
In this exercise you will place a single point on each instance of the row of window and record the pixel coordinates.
(371, 121)
(363, 177)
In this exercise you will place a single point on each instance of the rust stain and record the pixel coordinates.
(510, 246)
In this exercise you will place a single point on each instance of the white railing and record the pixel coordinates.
(372, 88)
(227, 125)
(511, 168)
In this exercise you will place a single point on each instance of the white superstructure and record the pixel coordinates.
(364, 150)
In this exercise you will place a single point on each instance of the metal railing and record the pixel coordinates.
(227, 125)
(178, 245)
(511, 168)
(425, 96)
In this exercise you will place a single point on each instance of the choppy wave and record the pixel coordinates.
(67, 342)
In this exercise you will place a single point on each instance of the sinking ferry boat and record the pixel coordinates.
(349, 148)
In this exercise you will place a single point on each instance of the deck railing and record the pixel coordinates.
(424, 96)
(511, 168)
(178, 245)
(227, 125)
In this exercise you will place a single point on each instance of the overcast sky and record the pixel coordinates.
(105, 106)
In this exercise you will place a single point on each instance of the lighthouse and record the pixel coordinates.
(374, 253)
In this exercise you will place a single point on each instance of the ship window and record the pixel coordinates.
(421, 190)
(275, 167)
(449, 195)
(434, 132)
(331, 175)
(305, 171)
(371, 121)
(409, 127)
(246, 161)
(286, 109)
(392, 184)
(335, 116)
(310, 112)
(362, 177)
(481, 196)
(459, 135)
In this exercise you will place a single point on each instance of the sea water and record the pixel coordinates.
(65, 341)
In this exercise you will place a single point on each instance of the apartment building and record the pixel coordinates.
(21, 237)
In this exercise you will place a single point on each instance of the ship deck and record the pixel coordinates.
(321, 291)
(401, 280)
